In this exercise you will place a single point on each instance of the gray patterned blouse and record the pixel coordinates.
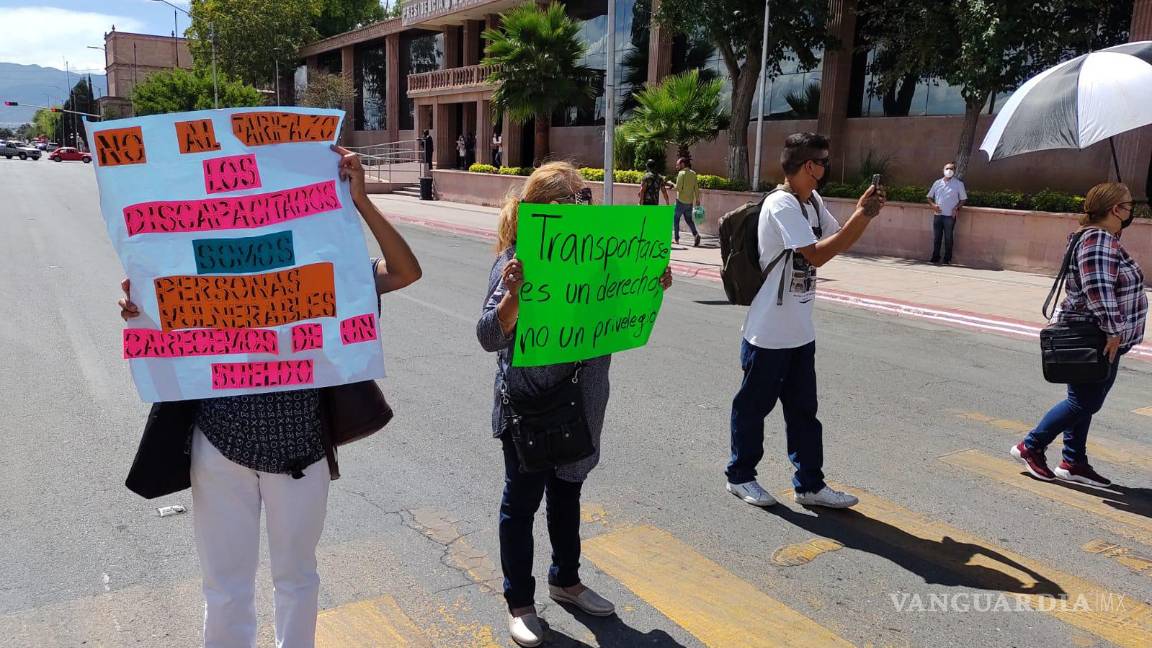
(529, 381)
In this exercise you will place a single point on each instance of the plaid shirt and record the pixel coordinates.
(1106, 286)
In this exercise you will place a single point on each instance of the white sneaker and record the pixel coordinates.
(752, 493)
(828, 498)
(526, 630)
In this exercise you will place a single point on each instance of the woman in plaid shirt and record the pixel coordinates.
(1106, 287)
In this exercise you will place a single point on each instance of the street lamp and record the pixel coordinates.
(211, 39)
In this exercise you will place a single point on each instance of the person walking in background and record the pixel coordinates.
(652, 184)
(497, 149)
(469, 150)
(947, 196)
(428, 146)
(461, 152)
(267, 451)
(555, 182)
(687, 198)
(1105, 286)
(796, 235)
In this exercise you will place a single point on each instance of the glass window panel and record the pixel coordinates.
(371, 87)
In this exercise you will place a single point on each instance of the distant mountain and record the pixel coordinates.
(32, 85)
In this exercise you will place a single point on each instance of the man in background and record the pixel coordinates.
(652, 184)
(687, 197)
(946, 196)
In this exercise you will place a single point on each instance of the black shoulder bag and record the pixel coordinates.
(548, 429)
(1071, 352)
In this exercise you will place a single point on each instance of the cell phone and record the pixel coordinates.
(876, 180)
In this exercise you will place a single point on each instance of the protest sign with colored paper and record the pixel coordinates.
(244, 249)
(592, 279)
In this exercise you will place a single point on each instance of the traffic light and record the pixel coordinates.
(11, 103)
(55, 109)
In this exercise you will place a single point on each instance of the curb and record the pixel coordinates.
(950, 317)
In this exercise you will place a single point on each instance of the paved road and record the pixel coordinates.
(918, 419)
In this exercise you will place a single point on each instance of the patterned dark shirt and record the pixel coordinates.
(1106, 286)
(278, 432)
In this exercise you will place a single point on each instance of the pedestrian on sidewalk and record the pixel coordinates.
(796, 235)
(555, 182)
(497, 149)
(947, 196)
(1105, 286)
(652, 184)
(461, 152)
(268, 451)
(687, 198)
(428, 146)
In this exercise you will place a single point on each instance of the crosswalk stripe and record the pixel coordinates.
(1111, 616)
(1101, 503)
(1143, 411)
(368, 624)
(1122, 555)
(1114, 451)
(711, 603)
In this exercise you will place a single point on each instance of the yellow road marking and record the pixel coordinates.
(1113, 451)
(1105, 504)
(1143, 411)
(1123, 555)
(368, 624)
(460, 554)
(714, 605)
(804, 552)
(1111, 616)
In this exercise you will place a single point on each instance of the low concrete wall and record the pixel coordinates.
(998, 239)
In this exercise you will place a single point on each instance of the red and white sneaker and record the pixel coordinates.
(1035, 462)
(1081, 473)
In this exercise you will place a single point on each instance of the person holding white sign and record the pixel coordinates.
(265, 451)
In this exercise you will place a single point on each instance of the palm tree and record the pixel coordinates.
(682, 110)
(535, 57)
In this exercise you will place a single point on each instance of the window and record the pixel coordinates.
(419, 52)
(371, 87)
(792, 94)
(330, 62)
(631, 55)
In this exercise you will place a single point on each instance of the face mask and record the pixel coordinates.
(822, 180)
(1128, 221)
(948, 173)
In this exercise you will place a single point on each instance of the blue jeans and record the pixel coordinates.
(943, 228)
(787, 375)
(683, 210)
(522, 495)
(1072, 417)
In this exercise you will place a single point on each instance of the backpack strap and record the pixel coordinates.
(1062, 276)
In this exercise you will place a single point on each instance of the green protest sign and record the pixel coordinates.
(591, 279)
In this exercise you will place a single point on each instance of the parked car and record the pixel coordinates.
(69, 153)
(11, 149)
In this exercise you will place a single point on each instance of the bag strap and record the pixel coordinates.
(1062, 276)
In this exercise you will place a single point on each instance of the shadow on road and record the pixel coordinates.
(938, 563)
(610, 632)
(1122, 498)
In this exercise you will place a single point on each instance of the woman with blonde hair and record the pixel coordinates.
(555, 182)
(1105, 287)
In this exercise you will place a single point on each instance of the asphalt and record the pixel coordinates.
(411, 525)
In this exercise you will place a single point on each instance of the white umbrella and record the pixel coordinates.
(1077, 103)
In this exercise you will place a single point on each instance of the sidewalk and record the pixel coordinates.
(997, 301)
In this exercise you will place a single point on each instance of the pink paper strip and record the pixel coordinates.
(361, 328)
(150, 343)
(240, 212)
(306, 337)
(246, 375)
(231, 173)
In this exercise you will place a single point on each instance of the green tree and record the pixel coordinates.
(184, 90)
(80, 100)
(251, 34)
(681, 110)
(984, 47)
(6, 133)
(735, 27)
(339, 16)
(535, 56)
(45, 122)
(327, 91)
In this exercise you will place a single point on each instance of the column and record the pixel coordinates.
(837, 71)
(396, 86)
(444, 122)
(659, 48)
(1134, 148)
(348, 71)
(451, 48)
(313, 63)
(513, 135)
(484, 132)
(472, 30)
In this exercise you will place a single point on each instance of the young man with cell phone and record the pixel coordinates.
(796, 235)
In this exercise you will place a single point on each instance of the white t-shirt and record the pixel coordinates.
(782, 227)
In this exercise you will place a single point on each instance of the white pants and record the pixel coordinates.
(226, 501)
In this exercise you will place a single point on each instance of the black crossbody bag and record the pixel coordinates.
(1071, 352)
(549, 429)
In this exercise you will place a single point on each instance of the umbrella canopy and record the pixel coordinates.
(1077, 103)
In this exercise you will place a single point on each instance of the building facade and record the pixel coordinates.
(423, 71)
(130, 58)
